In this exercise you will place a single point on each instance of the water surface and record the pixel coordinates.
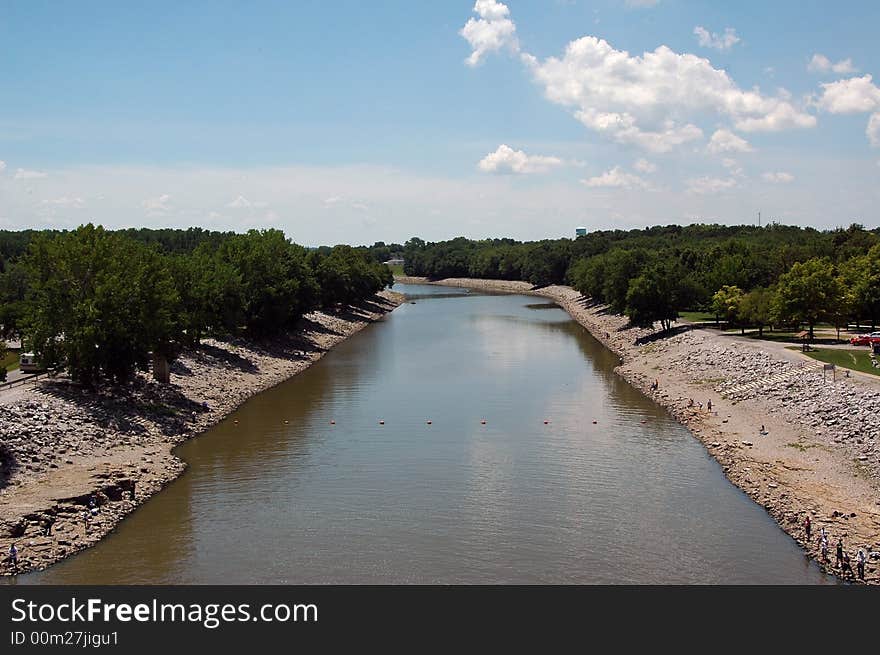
(630, 498)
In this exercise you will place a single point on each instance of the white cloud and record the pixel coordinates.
(716, 41)
(641, 4)
(708, 185)
(22, 174)
(780, 177)
(67, 202)
(726, 141)
(873, 130)
(649, 100)
(506, 160)
(240, 202)
(2, 166)
(404, 203)
(492, 31)
(854, 95)
(616, 178)
(158, 206)
(821, 64)
(645, 166)
(732, 166)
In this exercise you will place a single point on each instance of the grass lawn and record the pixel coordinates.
(10, 360)
(857, 359)
(698, 317)
(397, 269)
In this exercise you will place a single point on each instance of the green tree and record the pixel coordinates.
(726, 303)
(755, 308)
(13, 292)
(621, 268)
(807, 292)
(657, 295)
(99, 303)
(277, 285)
(862, 275)
(210, 291)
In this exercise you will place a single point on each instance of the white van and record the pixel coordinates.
(28, 363)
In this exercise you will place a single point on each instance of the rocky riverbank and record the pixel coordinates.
(63, 448)
(797, 442)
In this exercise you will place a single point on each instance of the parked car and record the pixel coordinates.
(865, 339)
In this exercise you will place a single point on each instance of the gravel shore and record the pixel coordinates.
(62, 446)
(818, 454)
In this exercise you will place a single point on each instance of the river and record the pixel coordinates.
(539, 465)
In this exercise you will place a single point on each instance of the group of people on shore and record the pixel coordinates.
(48, 521)
(842, 560)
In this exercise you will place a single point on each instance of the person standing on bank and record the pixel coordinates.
(808, 526)
(838, 556)
(13, 556)
(860, 564)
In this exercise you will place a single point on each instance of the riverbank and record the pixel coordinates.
(818, 454)
(61, 446)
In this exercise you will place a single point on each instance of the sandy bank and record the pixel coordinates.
(61, 446)
(819, 454)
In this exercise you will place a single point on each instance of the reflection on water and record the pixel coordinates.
(511, 500)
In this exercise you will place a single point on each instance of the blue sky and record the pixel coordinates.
(356, 122)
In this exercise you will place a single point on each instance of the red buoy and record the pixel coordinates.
(381, 422)
(428, 422)
(483, 422)
(332, 422)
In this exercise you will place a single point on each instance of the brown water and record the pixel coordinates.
(513, 500)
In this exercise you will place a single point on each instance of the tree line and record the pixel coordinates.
(750, 275)
(99, 303)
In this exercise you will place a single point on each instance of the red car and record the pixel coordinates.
(865, 339)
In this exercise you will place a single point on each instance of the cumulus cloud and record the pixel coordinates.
(709, 185)
(780, 177)
(821, 64)
(491, 32)
(506, 160)
(158, 206)
(850, 96)
(726, 141)
(716, 41)
(645, 166)
(647, 100)
(616, 178)
(856, 95)
(22, 174)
